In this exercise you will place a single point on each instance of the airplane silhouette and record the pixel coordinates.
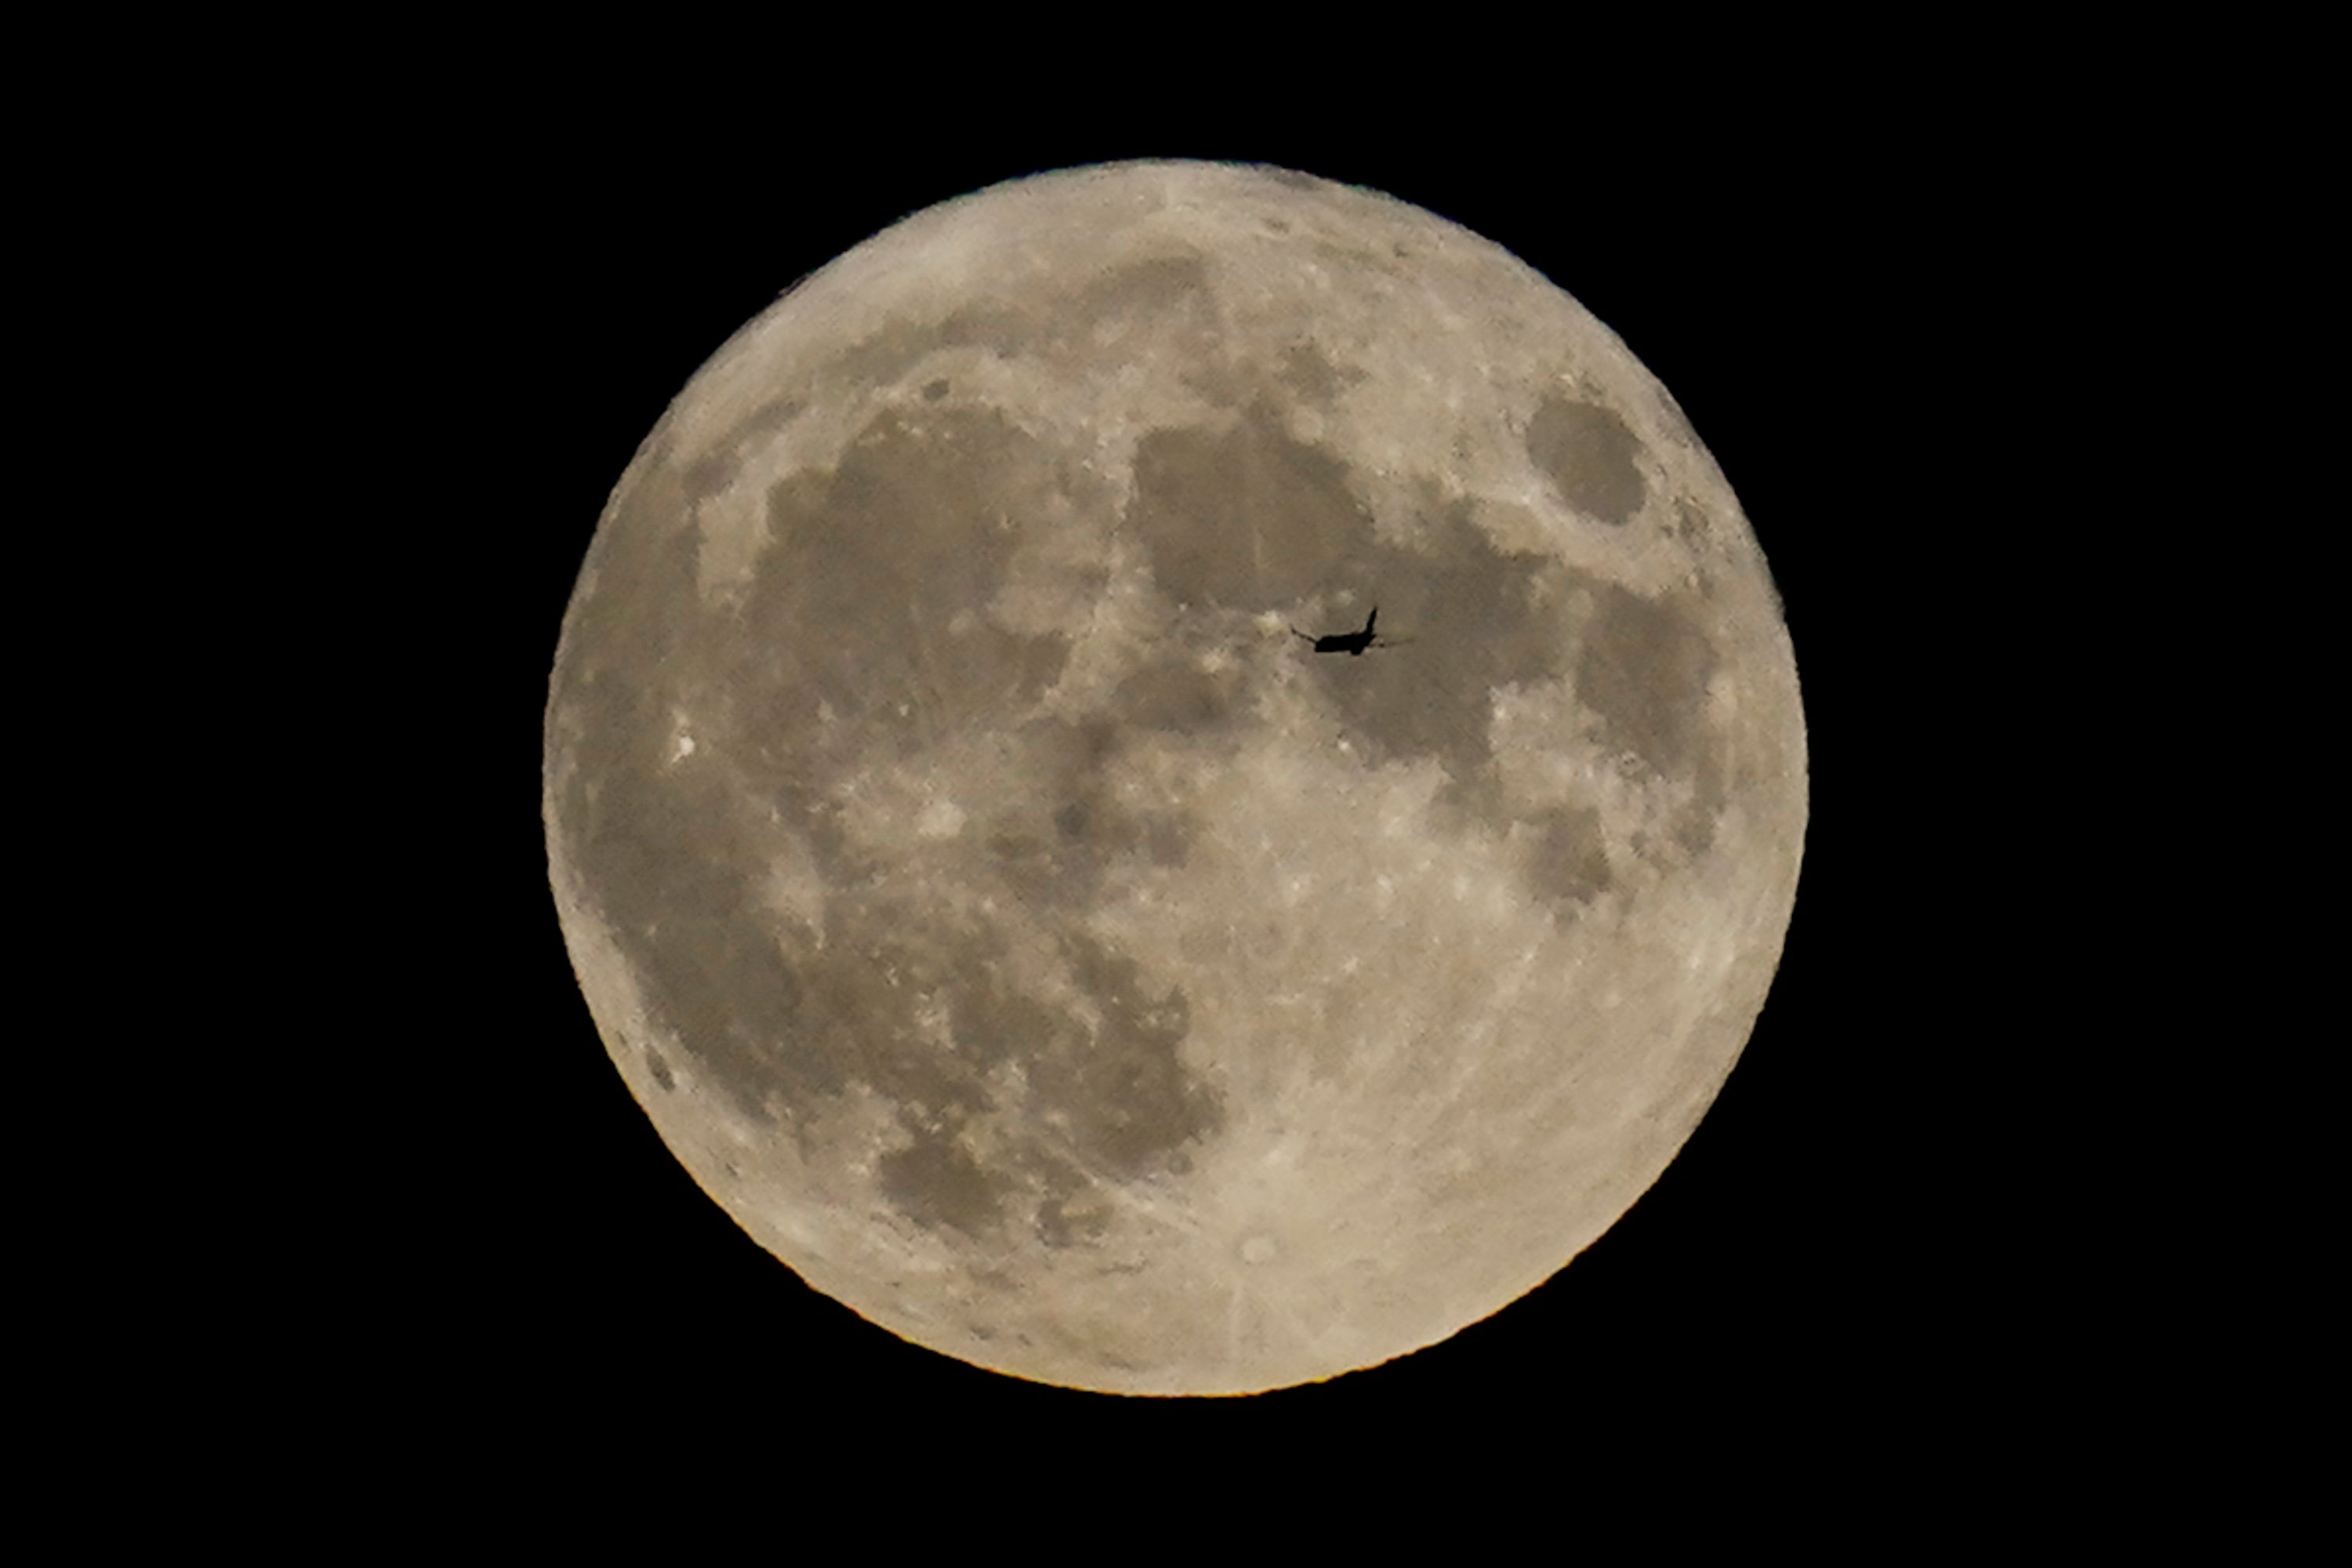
(1349, 643)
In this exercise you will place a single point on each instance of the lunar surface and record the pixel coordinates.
(1014, 923)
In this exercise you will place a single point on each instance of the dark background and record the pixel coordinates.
(1847, 1242)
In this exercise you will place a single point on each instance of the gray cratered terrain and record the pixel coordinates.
(1038, 947)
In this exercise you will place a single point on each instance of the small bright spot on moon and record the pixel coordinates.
(941, 818)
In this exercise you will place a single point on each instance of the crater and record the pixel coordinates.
(1478, 620)
(936, 1182)
(1643, 667)
(716, 469)
(1694, 827)
(1588, 454)
(1568, 861)
(1071, 1217)
(1127, 1097)
(860, 621)
(884, 358)
(1054, 840)
(1245, 518)
(868, 606)
(1306, 373)
(1160, 285)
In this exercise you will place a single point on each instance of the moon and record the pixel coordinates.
(1013, 923)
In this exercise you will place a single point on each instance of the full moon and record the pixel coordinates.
(1014, 921)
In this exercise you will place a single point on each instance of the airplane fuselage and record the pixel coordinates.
(1349, 643)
